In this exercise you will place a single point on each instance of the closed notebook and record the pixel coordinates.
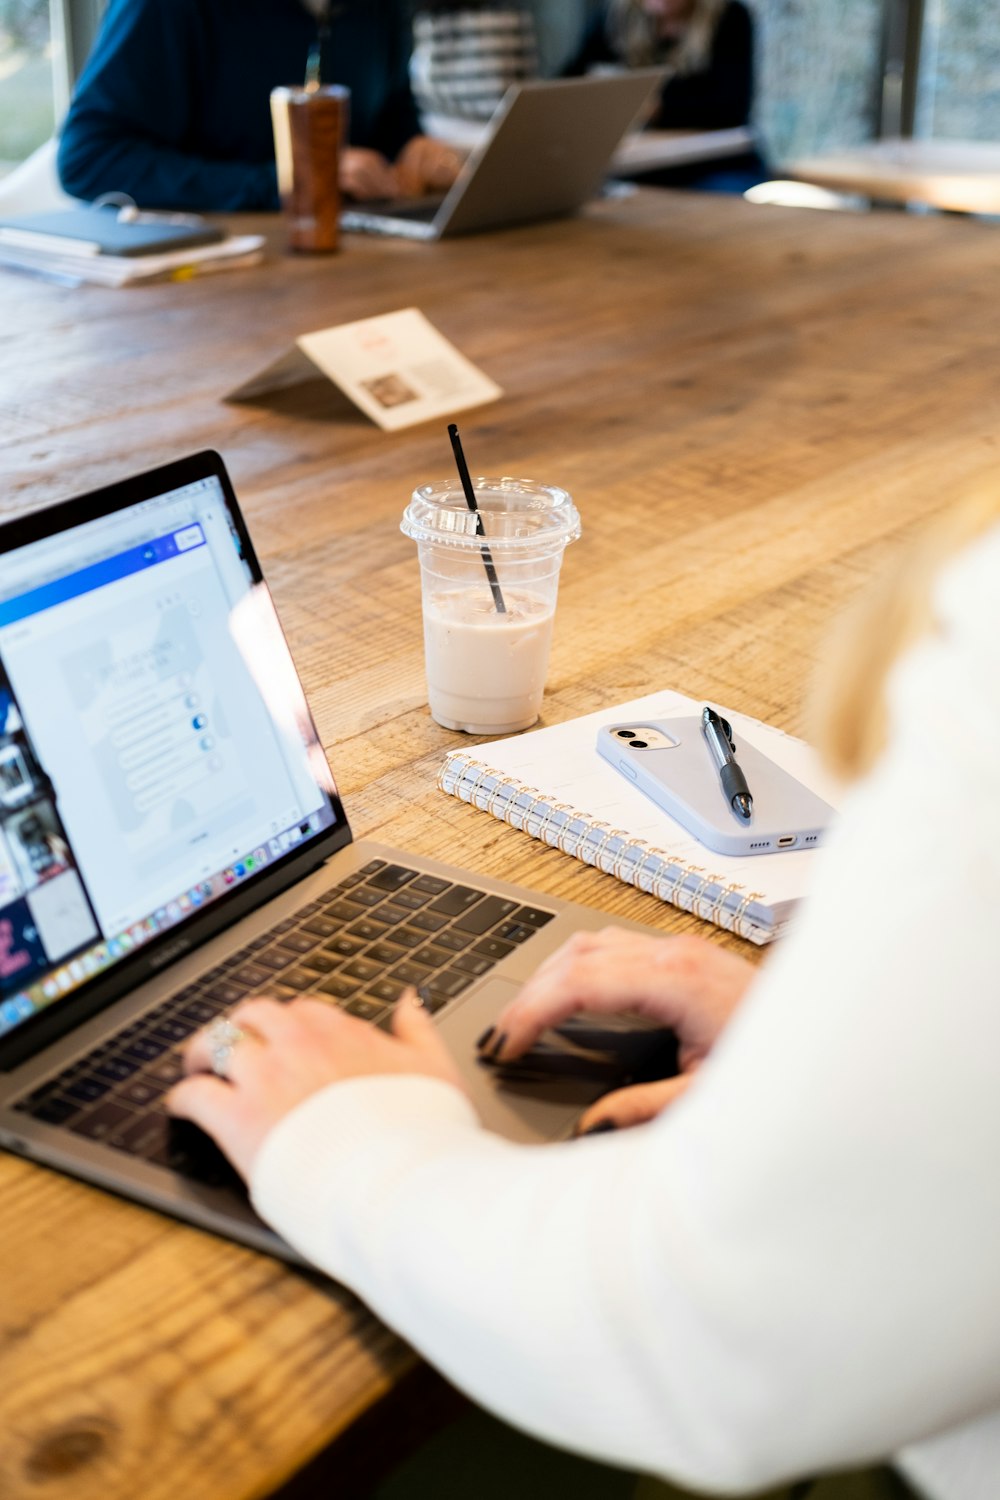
(87, 231)
(552, 784)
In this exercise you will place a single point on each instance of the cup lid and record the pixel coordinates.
(517, 514)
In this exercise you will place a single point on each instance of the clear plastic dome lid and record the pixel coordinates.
(517, 514)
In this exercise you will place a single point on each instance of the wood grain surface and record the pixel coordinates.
(751, 406)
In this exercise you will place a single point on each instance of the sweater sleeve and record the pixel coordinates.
(131, 113)
(795, 1267)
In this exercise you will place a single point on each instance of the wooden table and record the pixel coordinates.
(752, 408)
(960, 176)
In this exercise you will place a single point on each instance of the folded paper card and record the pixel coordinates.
(396, 368)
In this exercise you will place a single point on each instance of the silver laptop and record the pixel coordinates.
(171, 840)
(546, 152)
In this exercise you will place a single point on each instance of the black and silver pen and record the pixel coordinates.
(719, 734)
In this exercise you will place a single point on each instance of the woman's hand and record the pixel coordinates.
(683, 982)
(365, 175)
(286, 1053)
(426, 166)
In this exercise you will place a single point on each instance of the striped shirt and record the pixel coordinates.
(465, 60)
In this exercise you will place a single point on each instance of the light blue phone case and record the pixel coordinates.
(682, 778)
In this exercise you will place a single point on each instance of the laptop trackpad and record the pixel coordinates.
(543, 1111)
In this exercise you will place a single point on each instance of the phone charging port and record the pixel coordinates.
(788, 840)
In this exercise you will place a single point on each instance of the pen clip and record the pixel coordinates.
(711, 717)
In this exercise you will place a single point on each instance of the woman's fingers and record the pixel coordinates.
(682, 982)
(600, 972)
(633, 1105)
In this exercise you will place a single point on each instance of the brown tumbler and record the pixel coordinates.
(309, 128)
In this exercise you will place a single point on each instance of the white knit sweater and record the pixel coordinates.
(798, 1266)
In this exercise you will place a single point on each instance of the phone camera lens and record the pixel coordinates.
(639, 744)
(624, 734)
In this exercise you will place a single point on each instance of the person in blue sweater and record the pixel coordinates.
(173, 107)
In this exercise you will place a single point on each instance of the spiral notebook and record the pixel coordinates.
(553, 785)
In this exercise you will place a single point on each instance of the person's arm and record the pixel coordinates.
(132, 112)
(795, 1267)
(720, 97)
(398, 120)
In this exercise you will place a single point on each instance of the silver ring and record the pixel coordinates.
(224, 1036)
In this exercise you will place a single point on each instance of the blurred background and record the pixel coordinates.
(830, 73)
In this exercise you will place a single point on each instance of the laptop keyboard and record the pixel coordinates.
(358, 946)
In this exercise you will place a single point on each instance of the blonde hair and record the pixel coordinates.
(633, 34)
(849, 713)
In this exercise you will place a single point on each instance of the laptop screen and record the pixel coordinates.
(156, 750)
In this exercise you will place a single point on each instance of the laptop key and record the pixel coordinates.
(449, 984)
(387, 991)
(251, 977)
(365, 1010)
(531, 916)
(319, 963)
(493, 948)
(116, 1069)
(361, 968)
(390, 912)
(370, 868)
(55, 1111)
(169, 1068)
(367, 896)
(176, 1029)
(141, 1092)
(145, 1048)
(411, 898)
(473, 963)
(320, 926)
(385, 953)
(225, 992)
(298, 942)
(86, 1090)
(339, 987)
(433, 958)
(410, 973)
(345, 911)
(457, 900)
(391, 878)
(428, 921)
(199, 1011)
(97, 1124)
(432, 884)
(143, 1135)
(348, 944)
(408, 937)
(367, 930)
(515, 932)
(454, 940)
(298, 979)
(484, 915)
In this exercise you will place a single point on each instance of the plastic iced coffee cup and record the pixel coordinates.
(486, 667)
(310, 126)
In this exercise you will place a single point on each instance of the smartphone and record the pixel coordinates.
(670, 760)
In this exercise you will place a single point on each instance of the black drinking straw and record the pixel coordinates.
(470, 500)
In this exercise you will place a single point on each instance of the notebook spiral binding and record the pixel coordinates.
(633, 861)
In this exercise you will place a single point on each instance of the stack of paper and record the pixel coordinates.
(114, 249)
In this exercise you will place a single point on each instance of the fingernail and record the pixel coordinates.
(481, 1041)
(598, 1129)
(423, 996)
(499, 1044)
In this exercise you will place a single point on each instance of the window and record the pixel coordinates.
(27, 79)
